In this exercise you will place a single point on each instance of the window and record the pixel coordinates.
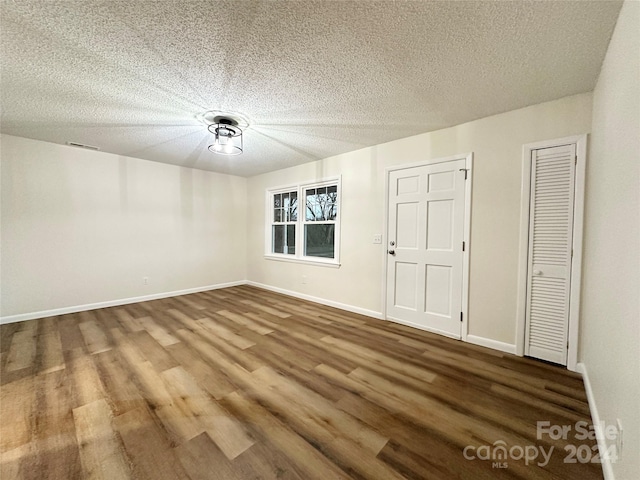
(321, 210)
(303, 222)
(285, 217)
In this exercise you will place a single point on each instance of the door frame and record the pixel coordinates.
(576, 264)
(468, 158)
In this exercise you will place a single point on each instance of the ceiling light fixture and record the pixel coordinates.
(228, 136)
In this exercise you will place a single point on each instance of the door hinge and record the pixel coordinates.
(465, 170)
(567, 345)
(460, 316)
(575, 160)
(463, 245)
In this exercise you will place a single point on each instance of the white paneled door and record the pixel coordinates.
(425, 246)
(550, 252)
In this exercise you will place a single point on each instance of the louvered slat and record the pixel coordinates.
(550, 240)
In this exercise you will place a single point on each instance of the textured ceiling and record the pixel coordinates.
(315, 78)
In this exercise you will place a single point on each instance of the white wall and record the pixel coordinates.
(81, 227)
(610, 309)
(497, 146)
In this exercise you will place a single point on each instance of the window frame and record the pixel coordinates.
(299, 256)
(285, 222)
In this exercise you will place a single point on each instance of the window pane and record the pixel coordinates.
(321, 204)
(332, 207)
(277, 215)
(313, 208)
(278, 238)
(310, 196)
(319, 240)
(277, 200)
(291, 239)
(309, 209)
(293, 210)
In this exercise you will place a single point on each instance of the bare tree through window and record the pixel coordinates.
(320, 215)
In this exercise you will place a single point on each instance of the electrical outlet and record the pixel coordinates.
(145, 280)
(619, 442)
(377, 238)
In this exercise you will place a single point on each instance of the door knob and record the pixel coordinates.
(537, 272)
(391, 252)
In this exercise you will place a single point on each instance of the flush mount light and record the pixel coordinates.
(228, 137)
(228, 129)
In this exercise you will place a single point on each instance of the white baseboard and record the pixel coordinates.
(322, 301)
(489, 343)
(113, 303)
(607, 469)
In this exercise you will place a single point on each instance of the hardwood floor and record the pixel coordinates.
(242, 383)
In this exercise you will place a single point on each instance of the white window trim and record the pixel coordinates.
(299, 256)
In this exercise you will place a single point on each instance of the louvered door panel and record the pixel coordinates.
(550, 244)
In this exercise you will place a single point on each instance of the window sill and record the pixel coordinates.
(304, 261)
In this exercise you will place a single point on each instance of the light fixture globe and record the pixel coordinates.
(228, 136)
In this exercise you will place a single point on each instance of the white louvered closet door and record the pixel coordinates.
(550, 252)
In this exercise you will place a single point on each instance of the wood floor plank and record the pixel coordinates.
(305, 404)
(380, 362)
(190, 301)
(242, 357)
(151, 453)
(120, 389)
(161, 336)
(246, 322)
(159, 357)
(86, 383)
(184, 320)
(52, 358)
(396, 398)
(224, 430)
(94, 337)
(128, 322)
(208, 378)
(15, 463)
(348, 444)
(22, 351)
(17, 404)
(267, 309)
(101, 453)
(533, 386)
(226, 334)
(233, 372)
(199, 454)
(259, 320)
(56, 455)
(265, 462)
(313, 464)
(523, 398)
(8, 330)
(172, 412)
(70, 335)
(247, 384)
